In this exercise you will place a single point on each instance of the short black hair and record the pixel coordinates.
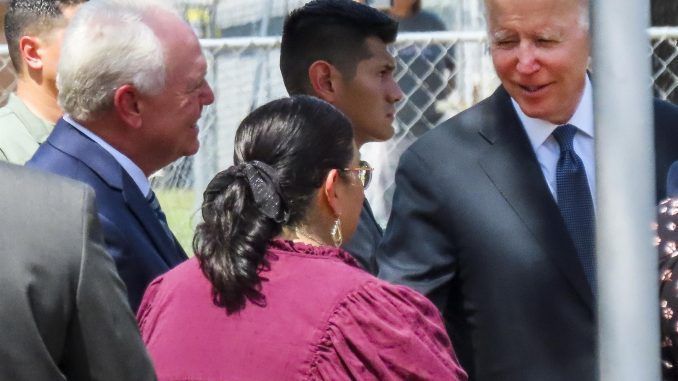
(32, 17)
(330, 30)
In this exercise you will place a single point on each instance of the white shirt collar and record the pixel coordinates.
(539, 130)
(128, 165)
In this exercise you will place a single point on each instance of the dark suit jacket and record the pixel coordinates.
(134, 237)
(672, 181)
(363, 244)
(63, 309)
(475, 227)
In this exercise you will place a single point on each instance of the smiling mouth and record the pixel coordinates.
(533, 89)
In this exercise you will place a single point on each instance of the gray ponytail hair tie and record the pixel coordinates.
(264, 183)
(265, 186)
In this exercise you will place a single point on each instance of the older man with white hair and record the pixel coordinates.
(132, 84)
(493, 214)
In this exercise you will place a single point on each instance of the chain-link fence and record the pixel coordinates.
(231, 18)
(665, 62)
(441, 73)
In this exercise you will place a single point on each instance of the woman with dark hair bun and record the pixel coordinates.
(269, 295)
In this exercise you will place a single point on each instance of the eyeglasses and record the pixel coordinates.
(364, 172)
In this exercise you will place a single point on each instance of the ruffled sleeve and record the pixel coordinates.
(145, 318)
(385, 332)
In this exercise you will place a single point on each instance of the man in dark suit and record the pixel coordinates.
(354, 73)
(132, 98)
(493, 210)
(63, 311)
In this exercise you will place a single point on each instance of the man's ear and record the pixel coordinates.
(323, 77)
(330, 192)
(126, 103)
(31, 53)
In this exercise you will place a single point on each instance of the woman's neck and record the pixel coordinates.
(305, 234)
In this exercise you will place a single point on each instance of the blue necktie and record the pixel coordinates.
(155, 205)
(575, 202)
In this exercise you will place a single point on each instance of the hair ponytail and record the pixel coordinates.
(231, 243)
(283, 152)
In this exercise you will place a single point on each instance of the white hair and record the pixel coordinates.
(583, 13)
(108, 44)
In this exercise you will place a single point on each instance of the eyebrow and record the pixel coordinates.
(502, 33)
(548, 33)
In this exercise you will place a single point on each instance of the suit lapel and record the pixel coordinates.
(139, 206)
(512, 166)
(71, 141)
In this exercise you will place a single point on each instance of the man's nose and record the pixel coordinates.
(395, 93)
(528, 62)
(207, 95)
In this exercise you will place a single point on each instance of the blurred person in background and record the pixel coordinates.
(337, 50)
(269, 294)
(426, 76)
(34, 30)
(493, 214)
(63, 310)
(132, 84)
(412, 18)
(427, 68)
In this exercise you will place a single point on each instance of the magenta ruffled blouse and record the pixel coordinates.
(324, 319)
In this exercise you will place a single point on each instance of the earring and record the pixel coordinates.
(336, 233)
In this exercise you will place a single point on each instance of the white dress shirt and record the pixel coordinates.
(547, 149)
(128, 165)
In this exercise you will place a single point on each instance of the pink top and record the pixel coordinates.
(324, 319)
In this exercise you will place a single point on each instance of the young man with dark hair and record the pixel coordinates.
(337, 50)
(34, 30)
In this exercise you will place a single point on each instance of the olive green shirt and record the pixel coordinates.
(21, 131)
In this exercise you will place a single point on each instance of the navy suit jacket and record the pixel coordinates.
(672, 181)
(134, 237)
(475, 227)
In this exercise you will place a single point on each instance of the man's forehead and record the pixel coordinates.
(379, 51)
(542, 17)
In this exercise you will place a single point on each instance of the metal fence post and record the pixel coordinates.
(627, 263)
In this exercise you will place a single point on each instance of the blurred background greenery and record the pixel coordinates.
(182, 214)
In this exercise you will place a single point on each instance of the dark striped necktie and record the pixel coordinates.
(155, 206)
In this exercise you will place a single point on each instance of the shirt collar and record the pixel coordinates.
(128, 165)
(539, 130)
